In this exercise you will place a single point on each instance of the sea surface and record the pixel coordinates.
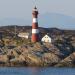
(36, 71)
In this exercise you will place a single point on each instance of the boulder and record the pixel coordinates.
(68, 61)
(3, 58)
(50, 59)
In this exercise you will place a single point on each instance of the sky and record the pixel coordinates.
(22, 9)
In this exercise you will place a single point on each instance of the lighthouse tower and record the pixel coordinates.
(35, 30)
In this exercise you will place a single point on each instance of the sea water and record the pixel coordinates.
(36, 71)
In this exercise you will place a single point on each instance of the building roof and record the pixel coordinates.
(48, 34)
(23, 33)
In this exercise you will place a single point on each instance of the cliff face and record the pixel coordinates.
(68, 61)
(22, 52)
(35, 54)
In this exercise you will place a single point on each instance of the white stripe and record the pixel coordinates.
(35, 31)
(35, 20)
(35, 10)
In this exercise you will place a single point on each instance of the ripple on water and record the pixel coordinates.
(36, 71)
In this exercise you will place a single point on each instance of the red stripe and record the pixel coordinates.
(34, 25)
(35, 12)
(35, 37)
(35, 16)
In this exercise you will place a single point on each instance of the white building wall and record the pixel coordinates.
(46, 38)
(22, 35)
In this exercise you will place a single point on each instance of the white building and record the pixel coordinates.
(24, 35)
(46, 38)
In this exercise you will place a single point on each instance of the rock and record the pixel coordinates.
(1, 43)
(68, 61)
(50, 59)
(33, 60)
(12, 53)
(3, 58)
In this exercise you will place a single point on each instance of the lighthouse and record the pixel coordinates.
(35, 30)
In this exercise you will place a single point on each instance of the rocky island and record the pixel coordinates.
(16, 51)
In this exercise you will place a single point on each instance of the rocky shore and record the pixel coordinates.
(21, 52)
(36, 54)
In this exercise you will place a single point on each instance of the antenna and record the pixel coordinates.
(35, 3)
(15, 31)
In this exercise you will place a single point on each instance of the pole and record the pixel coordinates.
(15, 31)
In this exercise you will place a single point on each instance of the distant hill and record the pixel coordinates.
(50, 20)
(14, 21)
(57, 20)
(52, 31)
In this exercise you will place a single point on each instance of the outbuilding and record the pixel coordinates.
(46, 38)
(24, 35)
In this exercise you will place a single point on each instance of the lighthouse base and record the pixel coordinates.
(35, 38)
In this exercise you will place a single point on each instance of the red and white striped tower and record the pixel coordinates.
(35, 30)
